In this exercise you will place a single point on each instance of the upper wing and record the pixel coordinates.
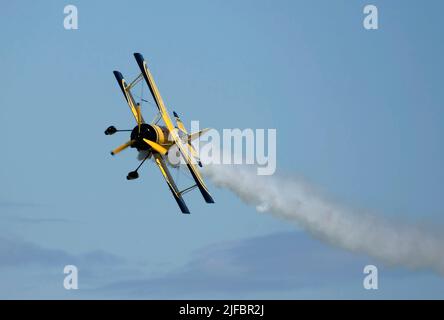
(169, 180)
(154, 91)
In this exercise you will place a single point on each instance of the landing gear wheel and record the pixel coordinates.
(110, 130)
(132, 175)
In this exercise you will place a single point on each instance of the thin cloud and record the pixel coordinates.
(20, 253)
(277, 262)
(12, 204)
(36, 220)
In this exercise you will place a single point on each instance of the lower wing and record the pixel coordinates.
(185, 152)
(169, 180)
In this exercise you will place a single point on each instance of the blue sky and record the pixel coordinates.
(358, 113)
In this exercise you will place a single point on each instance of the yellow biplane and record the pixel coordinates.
(155, 140)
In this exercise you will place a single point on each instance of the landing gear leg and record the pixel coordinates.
(134, 174)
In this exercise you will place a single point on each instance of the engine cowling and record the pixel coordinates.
(154, 133)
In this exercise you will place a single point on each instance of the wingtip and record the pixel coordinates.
(118, 75)
(138, 56)
(209, 198)
(183, 207)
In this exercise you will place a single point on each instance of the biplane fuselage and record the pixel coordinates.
(158, 139)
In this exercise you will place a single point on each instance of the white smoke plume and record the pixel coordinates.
(294, 200)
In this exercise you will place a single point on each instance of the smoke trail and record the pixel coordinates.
(295, 201)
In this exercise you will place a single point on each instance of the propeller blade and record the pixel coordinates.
(122, 147)
(156, 147)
